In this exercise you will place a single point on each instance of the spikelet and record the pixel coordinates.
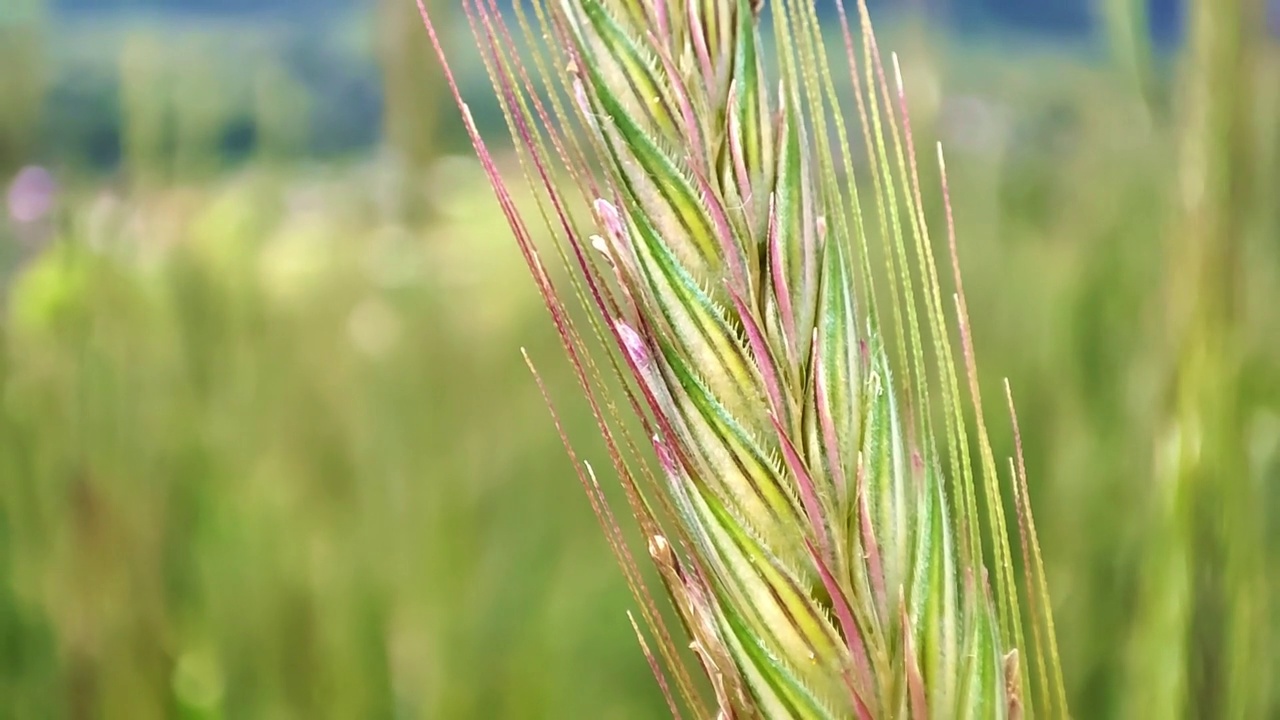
(819, 538)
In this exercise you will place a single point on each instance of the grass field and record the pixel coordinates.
(268, 447)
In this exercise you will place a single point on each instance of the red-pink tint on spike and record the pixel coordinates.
(665, 457)
(634, 346)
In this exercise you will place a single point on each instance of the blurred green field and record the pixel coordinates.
(268, 447)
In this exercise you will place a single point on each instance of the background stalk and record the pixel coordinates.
(1202, 622)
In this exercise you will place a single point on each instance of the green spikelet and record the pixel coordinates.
(821, 561)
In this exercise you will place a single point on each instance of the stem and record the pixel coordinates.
(1197, 649)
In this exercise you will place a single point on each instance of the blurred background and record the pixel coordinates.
(268, 448)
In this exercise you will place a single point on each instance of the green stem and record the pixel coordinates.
(1198, 649)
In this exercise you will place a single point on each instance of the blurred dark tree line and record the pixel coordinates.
(157, 87)
(1062, 16)
(81, 99)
